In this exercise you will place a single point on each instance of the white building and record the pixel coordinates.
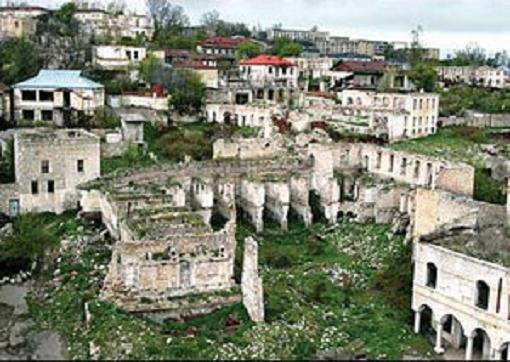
(482, 76)
(313, 67)
(464, 299)
(398, 115)
(117, 56)
(55, 95)
(116, 26)
(269, 70)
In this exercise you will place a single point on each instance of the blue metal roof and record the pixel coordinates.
(58, 79)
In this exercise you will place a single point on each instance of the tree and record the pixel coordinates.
(187, 91)
(116, 7)
(149, 67)
(19, 60)
(285, 47)
(248, 50)
(424, 76)
(167, 17)
(211, 20)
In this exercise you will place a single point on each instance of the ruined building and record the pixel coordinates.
(48, 164)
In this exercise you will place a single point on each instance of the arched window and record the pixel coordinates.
(431, 275)
(482, 295)
(350, 101)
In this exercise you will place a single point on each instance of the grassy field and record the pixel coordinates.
(325, 289)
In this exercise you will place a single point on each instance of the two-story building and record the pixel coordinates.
(481, 76)
(464, 300)
(271, 77)
(395, 115)
(17, 21)
(55, 96)
(48, 166)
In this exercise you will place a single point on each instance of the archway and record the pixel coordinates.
(450, 337)
(504, 351)
(481, 344)
(423, 322)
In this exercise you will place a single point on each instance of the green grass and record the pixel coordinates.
(307, 310)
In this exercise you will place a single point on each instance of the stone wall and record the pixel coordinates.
(49, 165)
(437, 210)
(248, 148)
(474, 119)
(251, 282)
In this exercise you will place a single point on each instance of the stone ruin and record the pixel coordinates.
(175, 225)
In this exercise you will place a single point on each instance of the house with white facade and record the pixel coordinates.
(480, 76)
(117, 56)
(55, 96)
(395, 115)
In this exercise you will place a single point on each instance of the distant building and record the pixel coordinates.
(49, 164)
(297, 35)
(117, 56)
(271, 77)
(55, 96)
(312, 67)
(396, 115)
(102, 24)
(480, 76)
(221, 46)
(17, 21)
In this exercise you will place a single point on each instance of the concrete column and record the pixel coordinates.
(469, 348)
(497, 355)
(439, 337)
(417, 321)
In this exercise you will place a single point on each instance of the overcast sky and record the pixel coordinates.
(447, 24)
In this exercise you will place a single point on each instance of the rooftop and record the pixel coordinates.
(58, 79)
(360, 67)
(265, 59)
(43, 134)
(222, 42)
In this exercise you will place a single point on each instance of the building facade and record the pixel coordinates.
(17, 21)
(49, 164)
(483, 76)
(55, 96)
(117, 56)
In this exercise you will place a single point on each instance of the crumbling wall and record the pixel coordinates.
(251, 282)
(437, 210)
(251, 200)
(299, 198)
(277, 201)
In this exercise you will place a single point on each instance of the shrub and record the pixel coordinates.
(488, 189)
(31, 239)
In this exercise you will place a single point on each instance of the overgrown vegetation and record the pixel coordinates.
(34, 236)
(326, 288)
(457, 100)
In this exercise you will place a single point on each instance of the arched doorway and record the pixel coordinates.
(450, 337)
(481, 344)
(504, 351)
(423, 322)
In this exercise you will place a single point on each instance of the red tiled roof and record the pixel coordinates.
(361, 67)
(265, 59)
(222, 42)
